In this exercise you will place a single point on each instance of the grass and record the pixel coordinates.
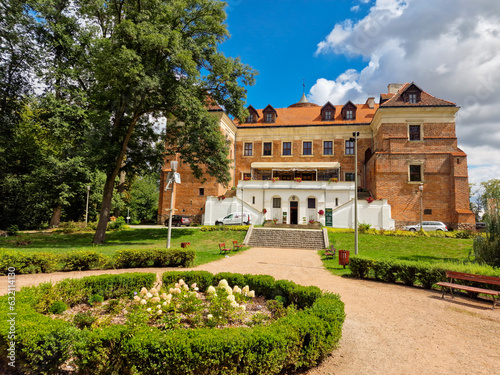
(423, 249)
(206, 244)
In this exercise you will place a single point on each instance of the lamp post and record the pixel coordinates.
(421, 188)
(87, 207)
(355, 140)
(242, 205)
(171, 181)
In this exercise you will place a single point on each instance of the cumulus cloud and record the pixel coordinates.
(448, 47)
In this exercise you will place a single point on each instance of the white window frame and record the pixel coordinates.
(244, 149)
(415, 123)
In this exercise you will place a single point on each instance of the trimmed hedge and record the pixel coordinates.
(415, 273)
(299, 340)
(45, 262)
(43, 344)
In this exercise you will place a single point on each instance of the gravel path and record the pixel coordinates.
(389, 329)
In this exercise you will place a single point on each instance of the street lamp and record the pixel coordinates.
(171, 181)
(355, 140)
(421, 188)
(87, 207)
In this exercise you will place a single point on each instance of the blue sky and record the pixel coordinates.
(352, 49)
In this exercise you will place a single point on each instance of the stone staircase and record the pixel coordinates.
(287, 238)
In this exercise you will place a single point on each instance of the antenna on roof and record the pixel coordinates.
(303, 86)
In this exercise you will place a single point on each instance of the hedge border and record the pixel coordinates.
(299, 340)
(415, 273)
(82, 260)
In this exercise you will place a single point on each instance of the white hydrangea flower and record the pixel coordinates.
(243, 307)
(158, 307)
(163, 296)
(143, 301)
(155, 299)
(234, 304)
(165, 303)
(148, 309)
(223, 283)
(185, 287)
(143, 291)
(230, 297)
(211, 290)
(176, 291)
(194, 286)
(228, 290)
(153, 291)
(177, 285)
(182, 282)
(236, 289)
(149, 295)
(245, 289)
(159, 312)
(137, 299)
(251, 294)
(210, 316)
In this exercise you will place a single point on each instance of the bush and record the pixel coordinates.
(58, 307)
(298, 340)
(83, 260)
(487, 249)
(130, 258)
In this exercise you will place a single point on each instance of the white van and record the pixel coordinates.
(235, 219)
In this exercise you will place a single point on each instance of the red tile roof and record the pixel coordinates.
(311, 115)
(425, 99)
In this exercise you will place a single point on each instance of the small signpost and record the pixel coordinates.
(329, 217)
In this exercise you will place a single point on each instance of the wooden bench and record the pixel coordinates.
(236, 246)
(223, 249)
(470, 277)
(330, 253)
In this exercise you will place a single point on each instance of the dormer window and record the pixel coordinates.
(349, 111)
(412, 98)
(412, 94)
(253, 116)
(269, 114)
(328, 112)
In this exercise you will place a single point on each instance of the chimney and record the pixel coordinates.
(370, 102)
(393, 88)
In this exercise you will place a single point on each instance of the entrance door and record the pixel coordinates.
(294, 212)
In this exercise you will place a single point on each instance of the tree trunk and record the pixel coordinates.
(107, 197)
(55, 220)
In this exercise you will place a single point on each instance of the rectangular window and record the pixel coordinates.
(276, 202)
(248, 149)
(415, 173)
(327, 148)
(311, 203)
(267, 149)
(307, 148)
(349, 176)
(269, 117)
(250, 118)
(412, 98)
(349, 147)
(202, 192)
(349, 114)
(287, 148)
(414, 132)
(328, 115)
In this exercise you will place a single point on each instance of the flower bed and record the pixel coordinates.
(303, 336)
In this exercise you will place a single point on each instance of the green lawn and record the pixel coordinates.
(427, 249)
(205, 243)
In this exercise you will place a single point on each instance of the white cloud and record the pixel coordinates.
(355, 8)
(448, 47)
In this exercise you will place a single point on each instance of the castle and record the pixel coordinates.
(294, 164)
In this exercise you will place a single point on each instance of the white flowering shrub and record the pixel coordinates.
(184, 305)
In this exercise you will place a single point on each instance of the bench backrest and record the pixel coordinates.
(470, 277)
(221, 245)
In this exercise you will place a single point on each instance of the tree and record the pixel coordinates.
(137, 59)
(143, 198)
(490, 199)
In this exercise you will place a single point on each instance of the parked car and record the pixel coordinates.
(234, 218)
(178, 220)
(427, 226)
(481, 226)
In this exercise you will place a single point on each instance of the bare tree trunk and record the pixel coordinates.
(55, 220)
(107, 196)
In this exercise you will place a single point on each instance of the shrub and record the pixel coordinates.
(487, 249)
(364, 228)
(13, 230)
(130, 258)
(95, 299)
(298, 340)
(83, 260)
(360, 267)
(58, 307)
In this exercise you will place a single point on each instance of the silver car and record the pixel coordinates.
(427, 226)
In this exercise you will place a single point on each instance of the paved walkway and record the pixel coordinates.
(389, 329)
